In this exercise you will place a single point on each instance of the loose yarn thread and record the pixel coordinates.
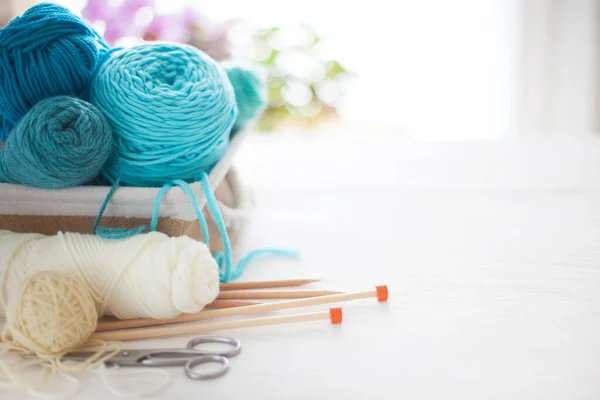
(51, 315)
(61, 142)
(48, 51)
(224, 259)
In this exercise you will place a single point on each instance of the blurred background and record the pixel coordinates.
(431, 69)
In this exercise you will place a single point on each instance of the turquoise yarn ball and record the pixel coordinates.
(46, 52)
(250, 94)
(171, 108)
(61, 142)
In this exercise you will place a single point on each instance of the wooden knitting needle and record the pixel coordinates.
(232, 303)
(266, 284)
(381, 293)
(334, 315)
(272, 294)
(215, 305)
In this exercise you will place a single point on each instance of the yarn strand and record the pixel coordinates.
(188, 190)
(113, 233)
(224, 259)
(225, 268)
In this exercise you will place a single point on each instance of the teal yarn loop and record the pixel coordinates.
(227, 271)
(46, 52)
(171, 108)
(60, 143)
(250, 94)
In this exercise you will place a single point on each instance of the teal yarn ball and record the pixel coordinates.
(250, 94)
(61, 142)
(171, 108)
(46, 52)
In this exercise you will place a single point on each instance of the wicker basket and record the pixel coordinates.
(25, 209)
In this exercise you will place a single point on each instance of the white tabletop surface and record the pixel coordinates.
(490, 249)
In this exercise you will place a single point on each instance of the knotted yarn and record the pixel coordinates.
(250, 94)
(61, 142)
(48, 51)
(171, 108)
(145, 276)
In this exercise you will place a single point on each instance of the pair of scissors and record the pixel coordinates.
(188, 357)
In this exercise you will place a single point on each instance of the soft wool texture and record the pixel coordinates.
(48, 51)
(145, 276)
(171, 108)
(51, 314)
(250, 94)
(61, 142)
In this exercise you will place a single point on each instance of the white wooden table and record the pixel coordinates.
(491, 250)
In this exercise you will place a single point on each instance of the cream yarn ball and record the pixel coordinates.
(52, 313)
(148, 275)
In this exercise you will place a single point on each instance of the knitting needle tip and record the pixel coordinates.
(266, 284)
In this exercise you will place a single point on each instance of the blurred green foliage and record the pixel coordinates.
(304, 87)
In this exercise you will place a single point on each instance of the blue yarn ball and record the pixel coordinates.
(250, 94)
(61, 142)
(171, 108)
(46, 52)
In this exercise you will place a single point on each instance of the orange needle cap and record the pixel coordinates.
(335, 314)
(382, 293)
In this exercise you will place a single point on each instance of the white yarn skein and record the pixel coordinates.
(146, 276)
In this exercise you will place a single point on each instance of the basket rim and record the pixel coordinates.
(129, 202)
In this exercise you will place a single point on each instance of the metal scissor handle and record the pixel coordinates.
(211, 357)
(191, 364)
(235, 344)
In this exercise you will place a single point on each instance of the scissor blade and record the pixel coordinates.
(84, 355)
(79, 355)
